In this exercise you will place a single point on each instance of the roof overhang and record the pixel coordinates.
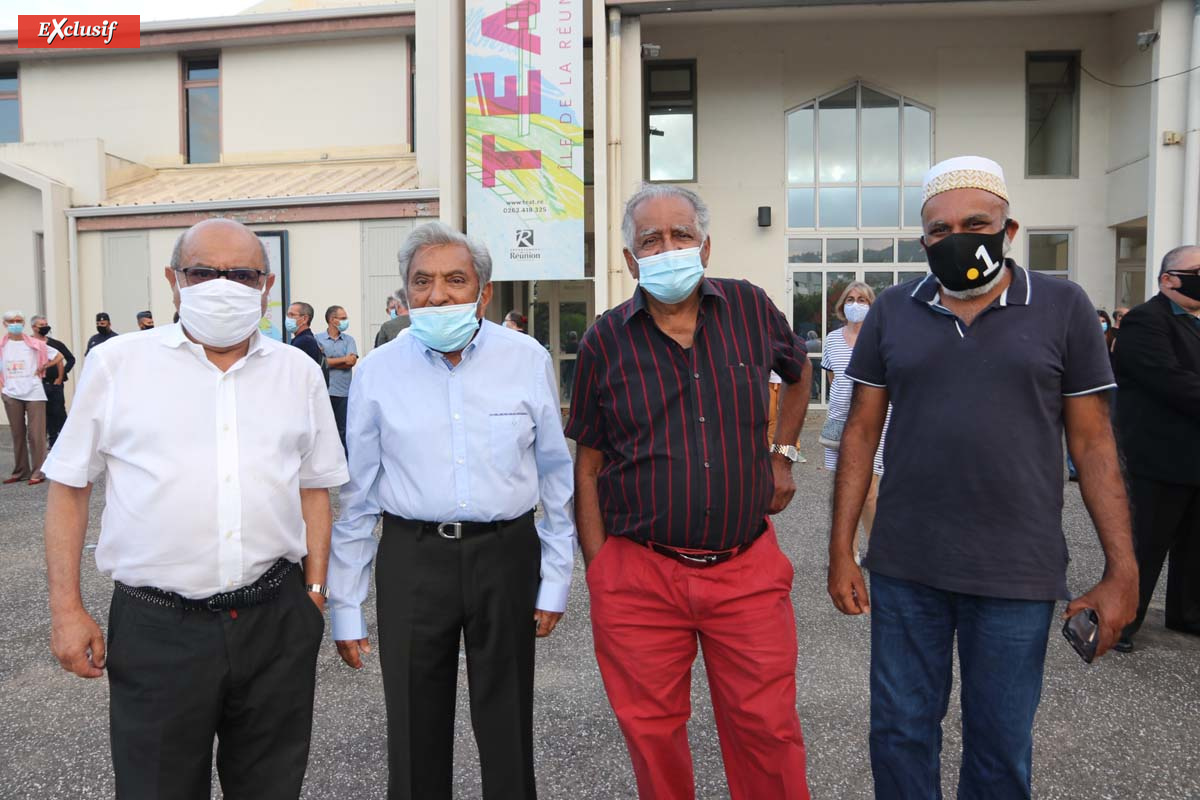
(216, 32)
(402, 195)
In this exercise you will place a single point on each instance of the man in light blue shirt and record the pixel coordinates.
(455, 435)
(341, 354)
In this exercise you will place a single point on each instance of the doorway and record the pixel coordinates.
(559, 313)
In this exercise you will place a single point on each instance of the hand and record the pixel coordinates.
(319, 600)
(58, 381)
(1114, 599)
(352, 651)
(785, 484)
(546, 620)
(77, 643)
(847, 588)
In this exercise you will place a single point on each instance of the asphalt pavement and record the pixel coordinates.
(1126, 727)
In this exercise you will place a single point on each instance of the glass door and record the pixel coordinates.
(558, 316)
(822, 268)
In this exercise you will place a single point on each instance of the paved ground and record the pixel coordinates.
(1126, 727)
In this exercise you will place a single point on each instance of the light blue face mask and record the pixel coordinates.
(446, 329)
(16, 328)
(671, 276)
(392, 313)
(343, 325)
(290, 324)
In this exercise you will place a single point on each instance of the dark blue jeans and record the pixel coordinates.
(1001, 651)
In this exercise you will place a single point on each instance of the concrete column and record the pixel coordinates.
(600, 145)
(629, 178)
(425, 98)
(451, 110)
(1168, 112)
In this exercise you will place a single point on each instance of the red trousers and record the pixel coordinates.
(648, 612)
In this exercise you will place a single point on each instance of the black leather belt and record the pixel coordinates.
(454, 530)
(263, 590)
(702, 558)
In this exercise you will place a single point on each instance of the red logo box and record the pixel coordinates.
(112, 31)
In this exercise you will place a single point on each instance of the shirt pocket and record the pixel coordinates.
(510, 434)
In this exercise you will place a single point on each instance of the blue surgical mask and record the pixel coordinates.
(343, 325)
(1104, 326)
(446, 329)
(670, 276)
(16, 328)
(290, 324)
(392, 313)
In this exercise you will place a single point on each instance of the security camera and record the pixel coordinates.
(1145, 39)
(651, 50)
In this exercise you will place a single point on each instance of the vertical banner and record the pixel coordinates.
(524, 128)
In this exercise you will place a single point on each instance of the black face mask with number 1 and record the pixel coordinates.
(965, 261)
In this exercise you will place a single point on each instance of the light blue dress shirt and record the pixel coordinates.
(477, 442)
(344, 345)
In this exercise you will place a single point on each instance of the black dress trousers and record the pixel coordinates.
(56, 411)
(1166, 523)
(431, 592)
(178, 678)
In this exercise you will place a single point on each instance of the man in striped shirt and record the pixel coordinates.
(674, 482)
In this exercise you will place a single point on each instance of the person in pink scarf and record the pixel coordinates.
(24, 359)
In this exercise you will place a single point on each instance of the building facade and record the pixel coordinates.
(805, 125)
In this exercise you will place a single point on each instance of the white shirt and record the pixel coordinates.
(204, 468)
(478, 442)
(21, 381)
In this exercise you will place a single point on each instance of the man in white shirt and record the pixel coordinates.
(219, 447)
(455, 434)
(23, 362)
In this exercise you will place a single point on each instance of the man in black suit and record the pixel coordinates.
(1157, 363)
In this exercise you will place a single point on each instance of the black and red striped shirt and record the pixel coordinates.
(684, 431)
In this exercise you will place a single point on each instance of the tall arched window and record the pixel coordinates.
(855, 159)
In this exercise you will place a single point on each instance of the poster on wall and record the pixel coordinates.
(524, 129)
(277, 299)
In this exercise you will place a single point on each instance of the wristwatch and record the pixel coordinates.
(320, 588)
(788, 451)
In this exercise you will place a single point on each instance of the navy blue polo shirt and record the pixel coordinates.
(972, 490)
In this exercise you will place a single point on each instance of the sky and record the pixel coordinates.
(149, 10)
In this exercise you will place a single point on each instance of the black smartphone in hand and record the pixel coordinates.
(1083, 632)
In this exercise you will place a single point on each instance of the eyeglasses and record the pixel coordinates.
(246, 276)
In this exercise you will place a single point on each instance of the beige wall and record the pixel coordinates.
(130, 102)
(324, 267)
(971, 72)
(298, 97)
(20, 217)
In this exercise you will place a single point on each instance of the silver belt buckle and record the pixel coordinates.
(444, 528)
(699, 559)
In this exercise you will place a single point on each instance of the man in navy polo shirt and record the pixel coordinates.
(985, 365)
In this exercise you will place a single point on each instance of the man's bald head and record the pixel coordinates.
(222, 243)
(1184, 257)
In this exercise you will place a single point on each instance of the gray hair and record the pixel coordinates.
(651, 191)
(13, 314)
(438, 234)
(33, 320)
(177, 250)
(401, 296)
(1174, 256)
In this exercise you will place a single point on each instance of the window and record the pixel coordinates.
(10, 106)
(1051, 115)
(1050, 252)
(855, 159)
(202, 109)
(670, 120)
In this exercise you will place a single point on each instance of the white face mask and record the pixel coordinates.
(220, 313)
(855, 311)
